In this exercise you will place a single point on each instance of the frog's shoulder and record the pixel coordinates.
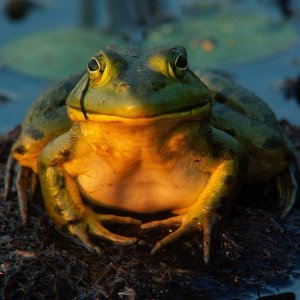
(52, 99)
(46, 119)
(236, 97)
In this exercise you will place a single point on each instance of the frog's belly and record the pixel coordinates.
(144, 191)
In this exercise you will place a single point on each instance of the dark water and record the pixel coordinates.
(263, 76)
(22, 88)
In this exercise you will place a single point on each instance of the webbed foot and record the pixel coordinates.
(9, 175)
(288, 189)
(91, 223)
(185, 223)
(26, 182)
(26, 185)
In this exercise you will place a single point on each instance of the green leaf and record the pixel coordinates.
(229, 38)
(55, 54)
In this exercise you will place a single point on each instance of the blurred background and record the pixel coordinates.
(256, 42)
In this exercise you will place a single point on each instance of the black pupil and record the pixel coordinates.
(181, 62)
(92, 65)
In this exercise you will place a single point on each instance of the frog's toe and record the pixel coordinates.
(26, 183)
(173, 221)
(9, 174)
(208, 225)
(170, 238)
(96, 229)
(79, 231)
(180, 221)
(94, 225)
(118, 219)
(288, 189)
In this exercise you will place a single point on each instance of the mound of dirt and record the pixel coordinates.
(253, 251)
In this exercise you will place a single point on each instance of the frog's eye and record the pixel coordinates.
(177, 63)
(96, 67)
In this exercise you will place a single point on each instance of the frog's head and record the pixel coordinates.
(139, 85)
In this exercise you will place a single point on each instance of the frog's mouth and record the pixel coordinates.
(136, 113)
(196, 112)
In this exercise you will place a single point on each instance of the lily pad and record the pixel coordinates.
(219, 39)
(214, 38)
(55, 54)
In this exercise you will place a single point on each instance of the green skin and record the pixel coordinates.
(143, 134)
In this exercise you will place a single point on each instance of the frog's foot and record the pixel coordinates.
(26, 184)
(22, 185)
(79, 231)
(288, 189)
(9, 175)
(184, 223)
(92, 222)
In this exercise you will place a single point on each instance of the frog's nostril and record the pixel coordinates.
(156, 86)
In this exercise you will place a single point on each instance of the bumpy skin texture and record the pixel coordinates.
(144, 134)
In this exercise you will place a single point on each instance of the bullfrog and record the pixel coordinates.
(140, 133)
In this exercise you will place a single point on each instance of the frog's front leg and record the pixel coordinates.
(63, 200)
(223, 184)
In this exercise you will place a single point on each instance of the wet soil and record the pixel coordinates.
(253, 252)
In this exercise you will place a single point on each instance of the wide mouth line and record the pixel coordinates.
(181, 113)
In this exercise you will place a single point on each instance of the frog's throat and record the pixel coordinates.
(197, 113)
